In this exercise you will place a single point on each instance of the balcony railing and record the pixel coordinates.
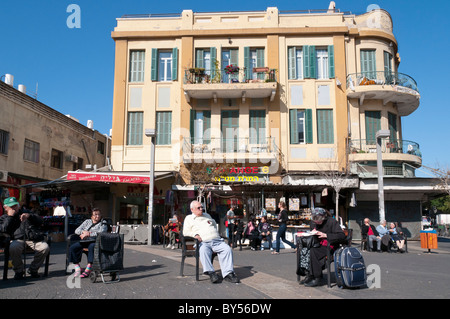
(387, 146)
(381, 78)
(211, 76)
(229, 145)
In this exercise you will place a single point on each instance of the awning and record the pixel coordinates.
(99, 179)
(116, 177)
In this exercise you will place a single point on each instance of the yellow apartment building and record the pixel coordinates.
(251, 108)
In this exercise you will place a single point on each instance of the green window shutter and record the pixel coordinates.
(206, 127)
(191, 126)
(368, 64)
(312, 62)
(247, 63)
(257, 126)
(325, 127)
(373, 125)
(135, 128)
(154, 69)
(199, 58)
(213, 57)
(260, 58)
(292, 68)
(309, 126)
(331, 71)
(163, 128)
(174, 64)
(306, 68)
(137, 63)
(234, 56)
(392, 118)
(293, 126)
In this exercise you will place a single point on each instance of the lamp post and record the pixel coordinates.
(152, 134)
(379, 135)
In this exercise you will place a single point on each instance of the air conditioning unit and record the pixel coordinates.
(72, 158)
(3, 176)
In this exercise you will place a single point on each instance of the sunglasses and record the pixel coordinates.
(200, 207)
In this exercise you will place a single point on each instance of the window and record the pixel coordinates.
(200, 127)
(164, 65)
(388, 72)
(373, 125)
(100, 147)
(257, 127)
(253, 58)
(318, 63)
(322, 64)
(31, 151)
(137, 63)
(230, 130)
(56, 159)
(135, 128)
(163, 128)
(368, 64)
(392, 119)
(4, 142)
(295, 63)
(325, 130)
(300, 126)
(229, 57)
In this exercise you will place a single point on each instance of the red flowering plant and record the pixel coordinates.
(231, 69)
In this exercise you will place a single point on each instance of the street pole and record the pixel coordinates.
(379, 135)
(151, 133)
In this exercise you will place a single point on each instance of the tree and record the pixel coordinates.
(443, 176)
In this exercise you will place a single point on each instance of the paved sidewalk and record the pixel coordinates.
(152, 272)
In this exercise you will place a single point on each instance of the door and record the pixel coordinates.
(230, 131)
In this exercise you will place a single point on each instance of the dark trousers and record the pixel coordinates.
(267, 238)
(76, 252)
(230, 232)
(318, 259)
(281, 234)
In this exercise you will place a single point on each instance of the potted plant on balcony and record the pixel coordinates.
(231, 69)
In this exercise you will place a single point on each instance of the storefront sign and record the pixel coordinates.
(239, 174)
(107, 178)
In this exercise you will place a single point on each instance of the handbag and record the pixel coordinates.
(312, 241)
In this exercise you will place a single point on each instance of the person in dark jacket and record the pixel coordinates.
(370, 232)
(238, 233)
(19, 225)
(327, 229)
(265, 232)
(281, 233)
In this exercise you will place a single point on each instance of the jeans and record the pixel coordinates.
(370, 242)
(76, 252)
(281, 234)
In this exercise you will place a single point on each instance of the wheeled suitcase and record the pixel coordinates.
(350, 269)
(108, 256)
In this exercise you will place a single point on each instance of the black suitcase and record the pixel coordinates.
(349, 268)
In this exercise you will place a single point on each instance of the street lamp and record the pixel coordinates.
(379, 135)
(152, 134)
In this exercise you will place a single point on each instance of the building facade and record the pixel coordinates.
(39, 144)
(253, 107)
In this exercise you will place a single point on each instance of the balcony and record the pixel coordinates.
(387, 86)
(229, 150)
(392, 150)
(222, 84)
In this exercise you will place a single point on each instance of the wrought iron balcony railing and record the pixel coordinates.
(387, 146)
(229, 145)
(381, 78)
(236, 75)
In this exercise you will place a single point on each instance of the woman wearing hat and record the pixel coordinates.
(328, 230)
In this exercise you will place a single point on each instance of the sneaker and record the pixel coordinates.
(231, 277)
(262, 248)
(214, 277)
(33, 273)
(18, 275)
(313, 283)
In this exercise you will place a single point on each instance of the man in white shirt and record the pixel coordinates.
(201, 226)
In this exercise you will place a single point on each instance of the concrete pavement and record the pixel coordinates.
(152, 272)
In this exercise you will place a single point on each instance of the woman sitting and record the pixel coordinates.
(397, 236)
(173, 229)
(87, 231)
(251, 232)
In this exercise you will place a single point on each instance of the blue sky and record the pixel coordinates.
(74, 68)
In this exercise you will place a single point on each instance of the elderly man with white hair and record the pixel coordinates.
(201, 226)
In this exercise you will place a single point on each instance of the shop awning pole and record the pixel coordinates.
(151, 133)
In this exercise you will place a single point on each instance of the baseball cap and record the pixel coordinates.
(10, 201)
(318, 214)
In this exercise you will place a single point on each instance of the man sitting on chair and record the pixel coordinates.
(201, 226)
